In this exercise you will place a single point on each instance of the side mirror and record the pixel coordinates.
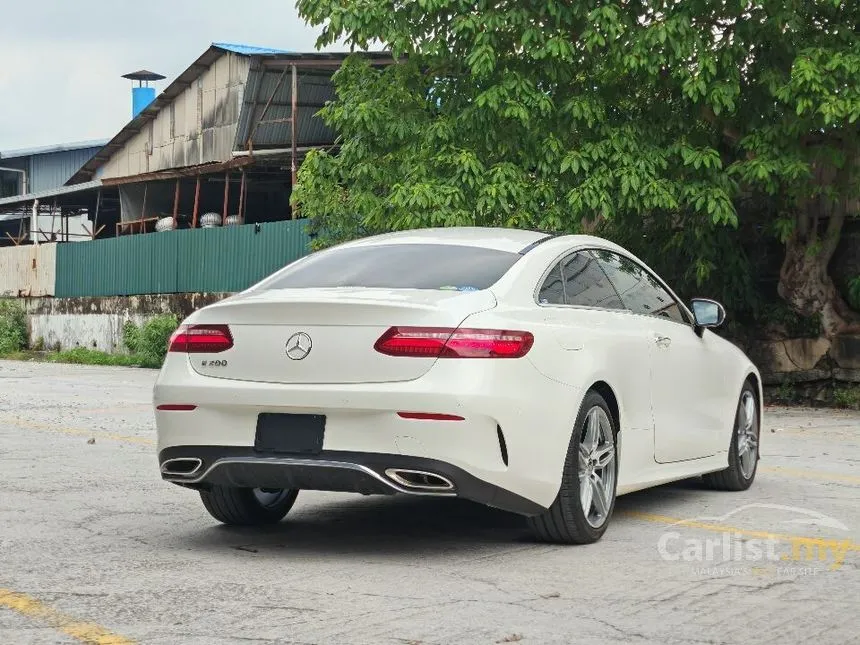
(708, 313)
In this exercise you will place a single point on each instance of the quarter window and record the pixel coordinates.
(578, 280)
(552, 291)
(640, 292)
(585, 284)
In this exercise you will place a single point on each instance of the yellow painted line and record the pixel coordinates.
(800, 544)
(810, 474)
(78, 432)
(722, 528)
(85, 632)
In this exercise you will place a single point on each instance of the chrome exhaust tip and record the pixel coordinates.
(182, 466)
(419, 479)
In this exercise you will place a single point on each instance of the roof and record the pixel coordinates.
(144, 75)
(186, 78)
(60, 147)
(17, 200)
(513, 240)
(249, 50)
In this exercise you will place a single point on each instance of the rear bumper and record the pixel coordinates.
(510, 399)
(354, 472)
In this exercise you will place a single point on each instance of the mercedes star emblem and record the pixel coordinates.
(299, 346)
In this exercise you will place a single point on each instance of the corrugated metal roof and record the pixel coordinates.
(60, 147)
(18, 200)
(314, 92)
(249, 50)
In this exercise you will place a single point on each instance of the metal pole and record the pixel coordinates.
(53, 208)
(196, 203)
(242, 199)
(175, 203)
(34, 223)
(142, 210)
(226, 196)
(98, 207)
(293, 124)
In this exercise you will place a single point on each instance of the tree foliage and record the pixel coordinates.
(616, 116)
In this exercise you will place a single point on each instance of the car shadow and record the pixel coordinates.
(417, 526)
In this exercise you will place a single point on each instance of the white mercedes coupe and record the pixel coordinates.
(540, 374)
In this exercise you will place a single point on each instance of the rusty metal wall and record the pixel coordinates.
(197, 127)
(28, 270)
(224, 259)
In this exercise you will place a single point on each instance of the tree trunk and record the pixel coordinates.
(806, 286)
(804, 281)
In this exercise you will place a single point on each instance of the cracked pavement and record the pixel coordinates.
(89, 530)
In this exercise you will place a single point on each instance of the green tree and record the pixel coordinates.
(570, 115)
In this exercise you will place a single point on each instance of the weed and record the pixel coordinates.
(150, 340)
(786, 392)
(847, 397)
(86, 356)
(13, 327)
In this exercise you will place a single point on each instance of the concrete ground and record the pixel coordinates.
(95, 548)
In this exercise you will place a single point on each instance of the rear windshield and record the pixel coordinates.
(398, 266)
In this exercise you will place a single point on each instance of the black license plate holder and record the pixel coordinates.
(300, 434)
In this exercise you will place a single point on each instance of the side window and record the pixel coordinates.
(638, 289)
(552, 291)
(586, 285)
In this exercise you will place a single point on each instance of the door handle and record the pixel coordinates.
(662, 341)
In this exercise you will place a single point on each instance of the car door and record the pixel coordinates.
(603, 341)
(686, 416)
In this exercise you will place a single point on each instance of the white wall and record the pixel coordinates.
(93, 331)
(28, 270)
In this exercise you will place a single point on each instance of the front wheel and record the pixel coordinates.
(743, 449)
(586, 498)
(248, 506)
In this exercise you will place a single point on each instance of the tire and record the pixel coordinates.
(566, 521)
(248, 506)
(746, 433)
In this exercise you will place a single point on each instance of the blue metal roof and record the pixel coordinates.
(250, 50)
(43, 150)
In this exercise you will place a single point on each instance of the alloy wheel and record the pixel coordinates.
(747, 443)
(597, 467)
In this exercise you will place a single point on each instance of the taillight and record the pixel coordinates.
(443, 342)
(201, 339)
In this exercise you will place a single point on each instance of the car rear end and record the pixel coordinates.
(361, 371)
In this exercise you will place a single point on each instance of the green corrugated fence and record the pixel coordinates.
(229, 258)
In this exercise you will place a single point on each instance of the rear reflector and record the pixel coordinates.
(176, 407)
(429, 416)
(201, 339)
(443, 342)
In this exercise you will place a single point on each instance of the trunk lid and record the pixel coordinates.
(316, 336)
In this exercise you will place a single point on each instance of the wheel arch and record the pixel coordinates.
(754, 379)
(605, 390)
